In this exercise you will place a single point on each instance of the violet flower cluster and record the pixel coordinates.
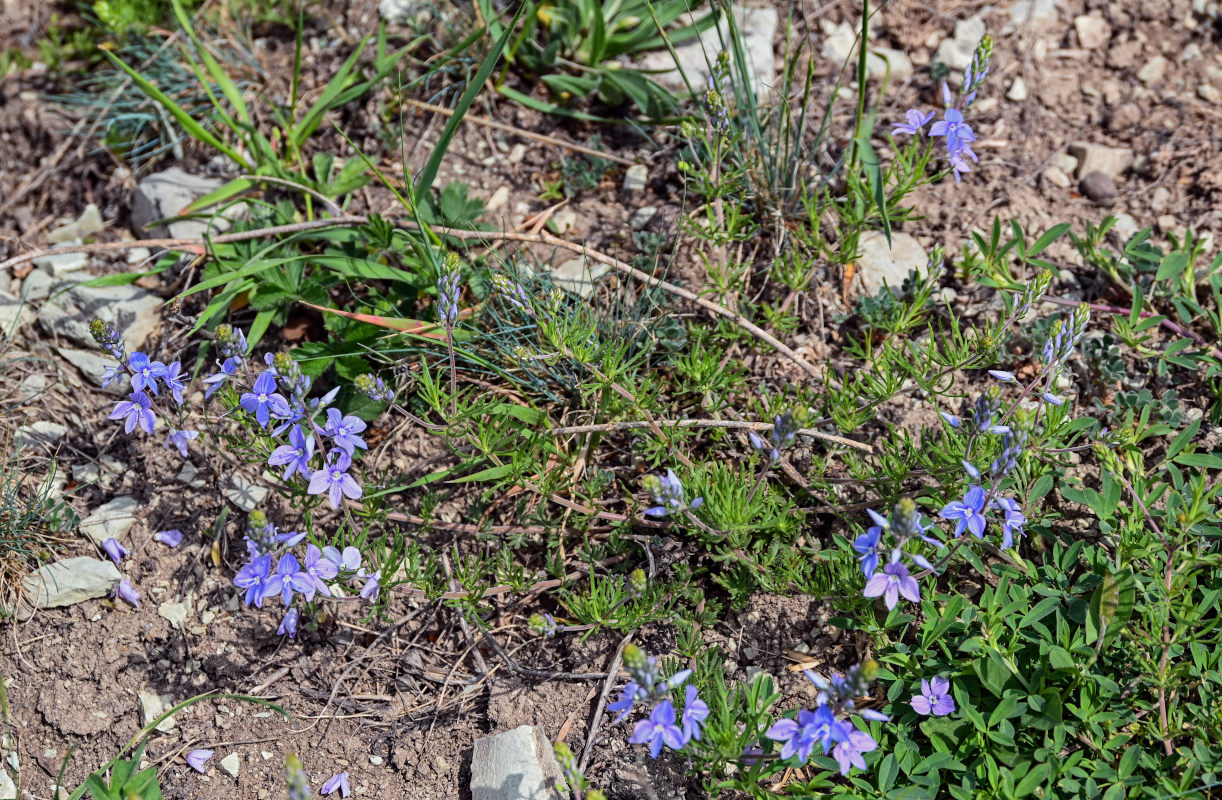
(831, 726)
(959, 135)
(274, 570)
(893, 579)
(668, 495)
(665, 725)
(784, 431)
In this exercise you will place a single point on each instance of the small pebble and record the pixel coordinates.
(1098, 187)
(375, 760)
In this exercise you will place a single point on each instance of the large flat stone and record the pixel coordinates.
(880, 263)
(71, 581)
(133, 312)
(757, 25)
(165, 194)
(111, 521)
(515, 765)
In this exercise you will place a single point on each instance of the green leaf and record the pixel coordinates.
(1060, 658)
(424, 181)
(1008, 707)
(1172, 265)
(219, 195)
(490, 474)
(1203, 460)
(120, 278)
(1050, 236)
(874, 176)
(98, 790)
(1128, 761)
(1111, 605)
(1035, 778)
(1042, 609)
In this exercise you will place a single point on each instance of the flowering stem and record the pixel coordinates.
(453, 379)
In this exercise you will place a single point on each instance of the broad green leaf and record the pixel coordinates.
(1111, 605)
(1050, 236)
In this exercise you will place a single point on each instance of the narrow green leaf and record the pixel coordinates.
(1050, 236)
(874, 174)
(1203, 460)
(490, 474)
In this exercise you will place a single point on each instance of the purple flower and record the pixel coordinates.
(967, 512)
(695, 711)
(867, 545)
(170, 538)
(956, 131)
(319, 569)
(340, 782)
(372, 587)
(288, 578)
(624, 705)
(176, 382)
(145, 373)
(110, 375)
(179, 439)
(254, 578)
(215, 381)
(348, 561)
(1002, 375)
(296, 455)
(797, 734)
(668, 493)
(934, 698)
(264, 400)
(124, 589)
(893, 581)
(343, 431)
(113, 549)
(659, 729)
(958, 163)
(915, 121)
(950, 419)
(1013, 522)
(335, 481)
(136, 411)
(198, 758)
(288, 625)
(848, 752)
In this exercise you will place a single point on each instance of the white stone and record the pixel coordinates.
(71, 581)
(640, 218)
(636, 178)
(152, 706)
(176, 613)
(43, 433)
(57, 264)
(36, 286)
(1039, 12)
(1111, 161)
(957, 53)
(1057, 177)
(577, 275)
(245, 494)
(1209, 93)
(1018, 90)
(1153, 71)
(165, 194)
(8, 790)
(231, 764)
(1191, 52)
(499, 199)
(756, 25)
(515, 765)
(840, 48)
(401, 12)
(1093, 31)
(1126, 226)
(879, 262)
(112, 520)
(88, 223)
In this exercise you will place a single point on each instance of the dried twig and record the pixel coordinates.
(612, 671)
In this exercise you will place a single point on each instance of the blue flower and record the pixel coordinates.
(915, 121)
(264, 400)
(319, 569)
(110, 375)
(798, 735)
(179, 439)
(289, 578)
(253, 577)
(343, 431)
(868, 546)
(659, 729)
(296, 455)
(892, 582)
(1012, 523)
(668, 493)
(347, 561)
(215, 381)
(340, 782)
(124, 589)
(144, 372)
(624, 705)
(113, 549)
(170, 538)
(957, 132)
(848, 752)
(288, 625)
(136, 411)
(934, 698)
(175, 381)
(198, 758)
(967, 512)
(695, 712)
(372, 587)
(335, 482)
(958, 161)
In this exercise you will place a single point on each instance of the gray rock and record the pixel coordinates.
(956, 53)
(515, 765)
(231, 764)
(1018, 90)
(879, 263)
(756, 25)
(175, 613)
(88, 223)
(840, 47)
(92, 364)
(166, 193)
(14, 313)
(1093, 31)
(245, 494)
(1126, 227)
(640, 218)
(71, 581)
(152, 706)
(112, 520)
(1039, 12)
(1209, 93)
(8, 790)
(636, 178)
(577, 275)
(132, 311)
(57, 264)
(43, 433)
(36, 286)
(1098, 187)
(1111, 161)
(190, 476)
(1153, 71)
